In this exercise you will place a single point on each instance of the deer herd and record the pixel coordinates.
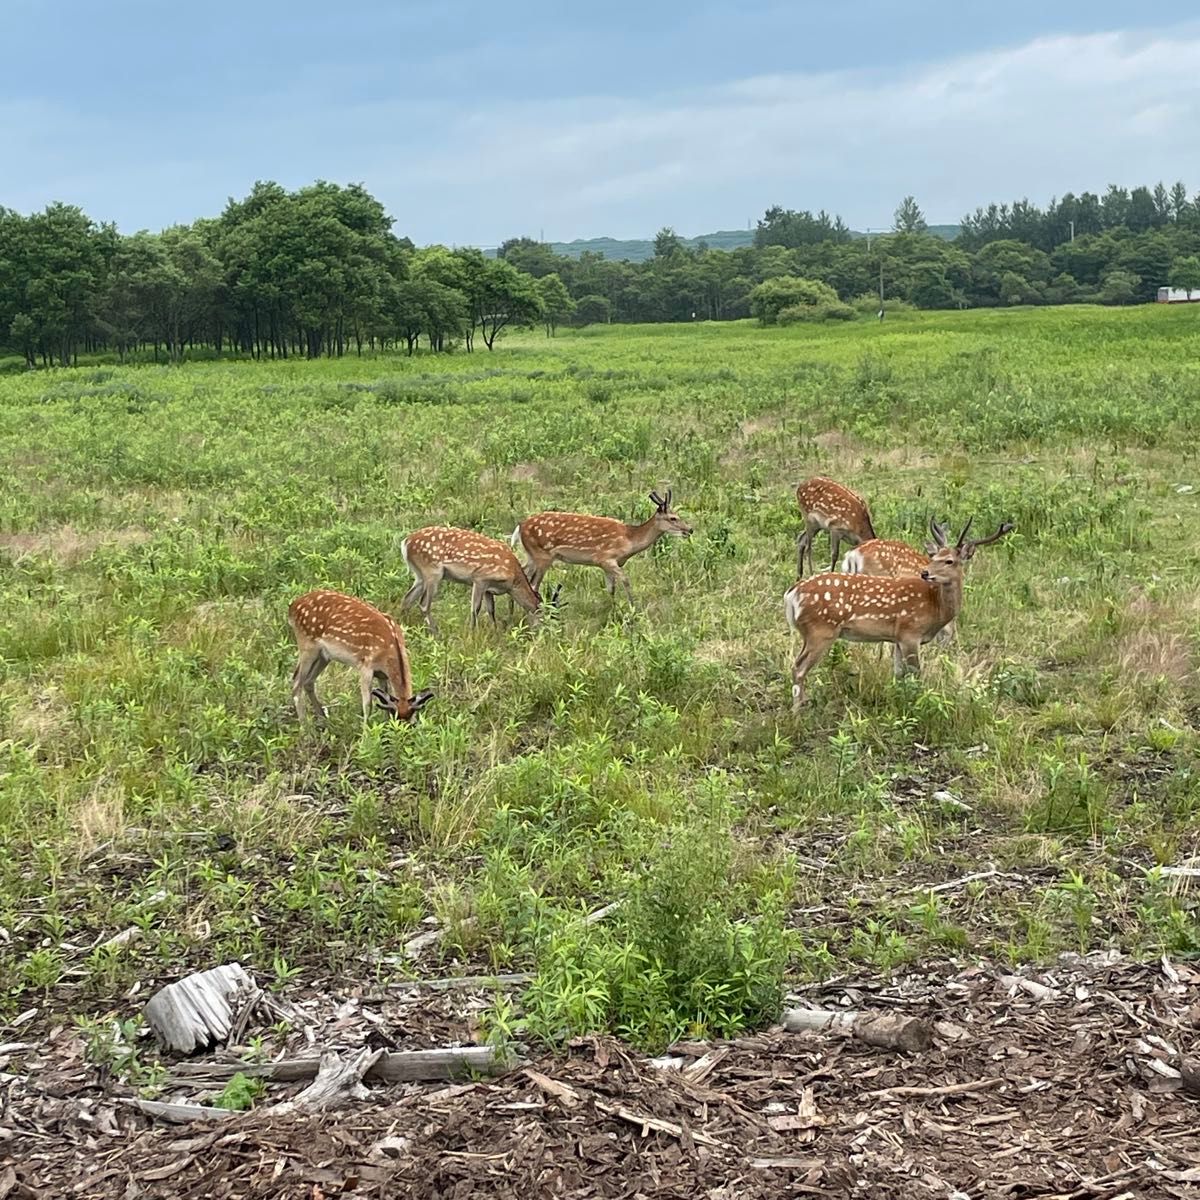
(885, 591)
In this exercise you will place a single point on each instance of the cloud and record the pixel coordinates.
(1067, 112)
(1055, 114)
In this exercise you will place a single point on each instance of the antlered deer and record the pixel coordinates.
(550, 537)
(332, 627)
(882, 557)
(907, 610)
(830, 506)
(488, 566)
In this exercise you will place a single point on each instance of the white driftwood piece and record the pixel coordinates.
(888, 1031)
(199, 1010)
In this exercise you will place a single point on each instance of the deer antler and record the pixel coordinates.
(962, 537)
(1006, 527)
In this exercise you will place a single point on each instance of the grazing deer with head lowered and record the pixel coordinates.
(830, 506)
(882, 557)
(906, 610)
(486, 565)
(332, 627)
(550, 537)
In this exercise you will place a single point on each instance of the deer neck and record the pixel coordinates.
(643, 536)
(947, 601)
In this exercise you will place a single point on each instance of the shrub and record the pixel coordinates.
(772, 296)
(693, 951)
(837, 311)
(868, 304)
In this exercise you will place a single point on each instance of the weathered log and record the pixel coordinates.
(888, 1031)
(338, 1080)
(198, 1009)
(402, 1066)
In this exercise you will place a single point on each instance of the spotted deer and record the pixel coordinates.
(550, 537)
(486, 565)
(827, 505)
(906, 610)
(882, 557)
(332, 627)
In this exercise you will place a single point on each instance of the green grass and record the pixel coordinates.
(155, 523)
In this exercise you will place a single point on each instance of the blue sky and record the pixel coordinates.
(473, 122)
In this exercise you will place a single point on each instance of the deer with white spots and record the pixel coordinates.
(550, 537)
(891, 559)
(486, 565)
(907, 610)
(332, 627)
(827, 505)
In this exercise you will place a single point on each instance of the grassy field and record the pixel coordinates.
(155, 523)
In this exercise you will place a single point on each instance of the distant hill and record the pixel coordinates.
(640, 249)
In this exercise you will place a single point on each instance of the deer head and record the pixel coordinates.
(666, 518)
(391, 705)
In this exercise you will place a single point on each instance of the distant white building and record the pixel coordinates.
(1168, 295)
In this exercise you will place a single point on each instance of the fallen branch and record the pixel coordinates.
(560, 1091)
(646, 1121)
(888, 1031)
(949, 1089)
(451, 982)
(179, 1114)
(402, 1066)
(1039, 991)
(594, 917)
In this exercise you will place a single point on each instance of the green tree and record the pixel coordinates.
(1185, 274)
(667, 243)
(773, 296)
(909, 218)
(504, 297)
(593, 310)
(1120, 287)
(557, 304)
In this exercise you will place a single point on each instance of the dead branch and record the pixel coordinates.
(402, 1066)
(949, 1089)
(451, 982)
(179, 1114)
(888, 1031)
(337, 1081)
(646, 1121)
(560, 1091)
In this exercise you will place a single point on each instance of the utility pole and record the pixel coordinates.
(1072, 224)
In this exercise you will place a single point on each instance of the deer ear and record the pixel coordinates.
(656, 500)
(383, 700)
(419, 701)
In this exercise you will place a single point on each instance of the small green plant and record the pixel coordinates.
(240, 1094)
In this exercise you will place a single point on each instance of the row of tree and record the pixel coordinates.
(319, 271)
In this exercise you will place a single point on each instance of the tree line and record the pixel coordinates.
(319, 271)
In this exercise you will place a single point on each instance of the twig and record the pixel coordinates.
(648, 1122)
(450, 982)
(950, 1089)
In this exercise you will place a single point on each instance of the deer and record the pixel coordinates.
(906, 610)
(883, 557)
(827, 505)
(488, 566)
(604, 542)
(333, 627)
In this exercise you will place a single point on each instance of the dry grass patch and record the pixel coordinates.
(99, 818)
(67, 545)
(1154, 648)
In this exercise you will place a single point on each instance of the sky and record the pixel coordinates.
(475, 122)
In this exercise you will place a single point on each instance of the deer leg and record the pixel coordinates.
(815, 648)
(907, 659)
(489, 599)
(945, 635)
(835, 542)
(429, 592)
(478, 592)
(366, 684)
(617, 575)
(300, 678)
(413, 595)
(803, 542)
(310, 685)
